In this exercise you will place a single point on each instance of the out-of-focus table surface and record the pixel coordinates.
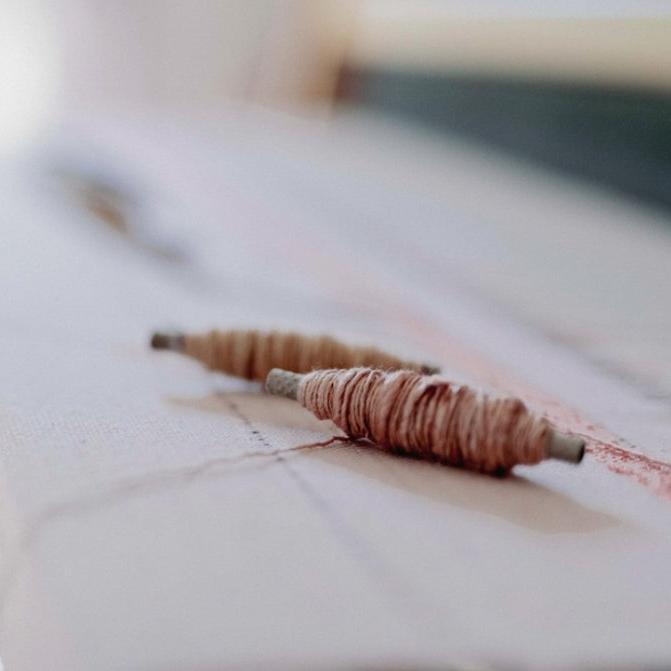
(135, 535)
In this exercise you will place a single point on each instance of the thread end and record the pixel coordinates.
(171, 341)
(283, 383)
(565, 448)
(428, 369)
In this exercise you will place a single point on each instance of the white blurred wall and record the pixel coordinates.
(61, 56)
(57, 56)
(152, 52)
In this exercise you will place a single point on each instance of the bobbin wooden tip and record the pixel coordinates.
(283, 383)
(171, 340)
(564, 447)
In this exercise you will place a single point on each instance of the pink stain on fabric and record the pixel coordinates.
(602, 445)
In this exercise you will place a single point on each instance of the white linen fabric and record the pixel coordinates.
(135, 533)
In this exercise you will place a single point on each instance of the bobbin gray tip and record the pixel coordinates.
(566, 448)
(283, 383)
(170, 340)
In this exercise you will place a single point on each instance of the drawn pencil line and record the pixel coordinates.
(371, 563)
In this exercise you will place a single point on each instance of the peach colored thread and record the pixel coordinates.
(252, 354)
(428, 417)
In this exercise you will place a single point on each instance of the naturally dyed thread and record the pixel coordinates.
(429, 417)
(252, 354)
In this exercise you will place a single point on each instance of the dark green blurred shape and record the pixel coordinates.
(617, 137)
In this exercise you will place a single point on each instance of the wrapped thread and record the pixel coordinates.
(251, 354)
(429, 417)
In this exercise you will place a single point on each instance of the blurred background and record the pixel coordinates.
(583, 86)
(542, 130)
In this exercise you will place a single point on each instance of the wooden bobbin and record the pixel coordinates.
(250, 354)
(560, 446)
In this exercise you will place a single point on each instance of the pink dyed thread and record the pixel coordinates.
(427, 417)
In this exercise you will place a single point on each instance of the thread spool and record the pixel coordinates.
(427, 416)
(251, 354)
